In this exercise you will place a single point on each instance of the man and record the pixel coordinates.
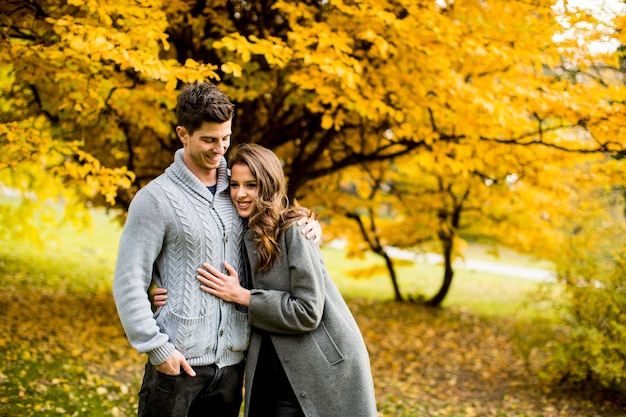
(196, 344)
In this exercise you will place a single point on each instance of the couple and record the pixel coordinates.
(306, 356)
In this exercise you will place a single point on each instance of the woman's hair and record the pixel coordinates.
(273, 214)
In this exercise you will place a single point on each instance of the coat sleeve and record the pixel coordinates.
(140, 245)
(299, 309)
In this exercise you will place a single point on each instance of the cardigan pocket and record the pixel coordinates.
(192, 336)
(240, 334)
(327, 345)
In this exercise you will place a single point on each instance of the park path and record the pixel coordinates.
(535, 274)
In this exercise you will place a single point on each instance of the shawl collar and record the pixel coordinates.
(180, 174)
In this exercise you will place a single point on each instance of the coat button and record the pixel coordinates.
(303, 394)
(286, 360)
(221, 332)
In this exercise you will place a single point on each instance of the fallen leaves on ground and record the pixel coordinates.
(440, 362)
(65, 353)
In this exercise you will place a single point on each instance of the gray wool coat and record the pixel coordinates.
(312, 329)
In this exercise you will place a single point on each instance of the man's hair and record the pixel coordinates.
(201, 102)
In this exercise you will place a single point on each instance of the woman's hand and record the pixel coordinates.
(224, 286)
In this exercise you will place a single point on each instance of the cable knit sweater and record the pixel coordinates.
(175, 224)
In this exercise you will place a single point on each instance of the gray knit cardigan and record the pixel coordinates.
(175, 224)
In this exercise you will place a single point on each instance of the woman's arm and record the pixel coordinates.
(296, 311)
(311, 228)
(296, 304)
(214, 282)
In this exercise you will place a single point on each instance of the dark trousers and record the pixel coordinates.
(272, 395)
(275, 405)
(213, 392)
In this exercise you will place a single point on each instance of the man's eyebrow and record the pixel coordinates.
(214, 137)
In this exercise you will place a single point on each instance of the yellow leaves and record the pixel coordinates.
(382, 46)
(364, 273)
(137, 46)
(421, 356)
(232, 68)
(41, 155)
(97, 179)
(43, 170)
(327, 121)
(439, 79)
(39, 367)
(235, 43)
(22, 141)
(275, 52)
(191, 71)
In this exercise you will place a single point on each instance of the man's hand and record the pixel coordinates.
(173, 364)
(160, 297)
(312, 229)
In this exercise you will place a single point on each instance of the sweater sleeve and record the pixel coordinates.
(140, 245)
(300, 309)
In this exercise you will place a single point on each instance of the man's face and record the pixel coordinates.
(206, 146)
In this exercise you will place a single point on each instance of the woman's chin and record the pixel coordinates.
(244, 214)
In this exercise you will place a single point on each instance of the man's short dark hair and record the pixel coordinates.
(201, 102)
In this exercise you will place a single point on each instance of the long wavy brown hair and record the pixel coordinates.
(273, 214)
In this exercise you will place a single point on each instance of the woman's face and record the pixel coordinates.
(243, 190)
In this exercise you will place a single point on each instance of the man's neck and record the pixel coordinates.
(209, 178)
(206, 177)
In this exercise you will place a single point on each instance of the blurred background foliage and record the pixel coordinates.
(423, 125)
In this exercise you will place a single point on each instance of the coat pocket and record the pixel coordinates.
(327, 345)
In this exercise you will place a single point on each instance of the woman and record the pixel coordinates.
(306, 356)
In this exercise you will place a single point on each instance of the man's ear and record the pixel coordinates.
(182, 133)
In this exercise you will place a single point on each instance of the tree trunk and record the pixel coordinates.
(378, 249)
(392, 275)
(438, 298)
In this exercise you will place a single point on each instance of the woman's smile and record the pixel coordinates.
(243, 190)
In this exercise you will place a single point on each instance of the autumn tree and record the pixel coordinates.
(85, 87)
(327, 85)
(545, 108)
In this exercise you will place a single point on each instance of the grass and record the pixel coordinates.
(63, 352)
(485, 294)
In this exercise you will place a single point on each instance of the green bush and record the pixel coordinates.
(588, 345)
